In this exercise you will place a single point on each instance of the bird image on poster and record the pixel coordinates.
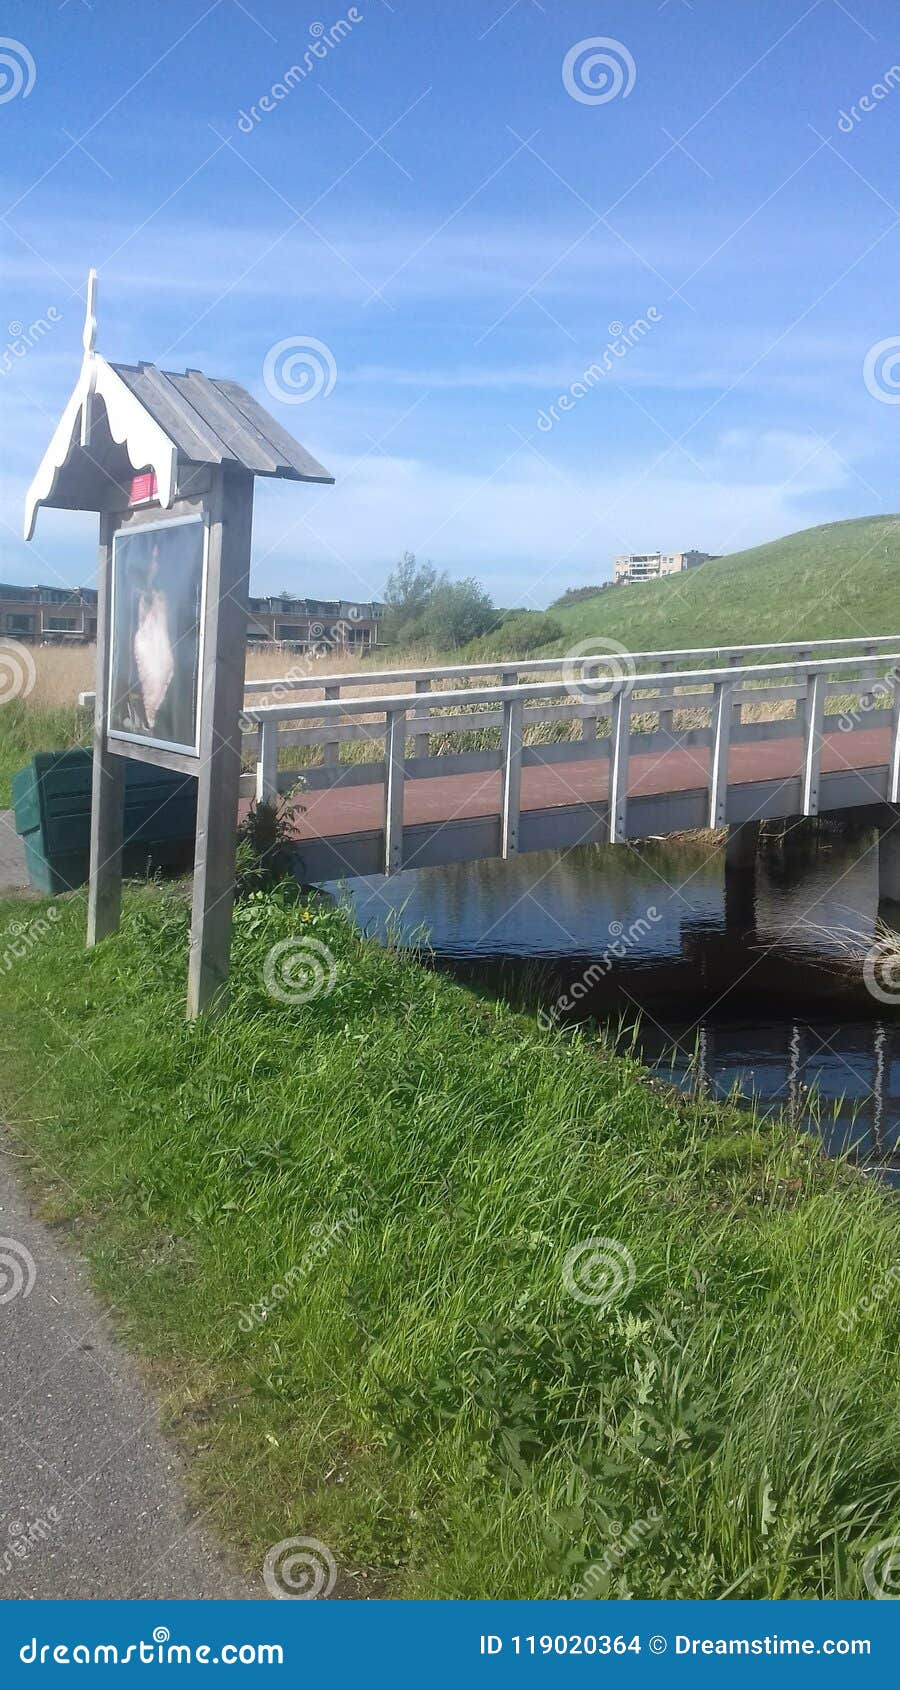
(156, 617)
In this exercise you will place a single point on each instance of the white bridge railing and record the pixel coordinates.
(613, 718)
(722, 694)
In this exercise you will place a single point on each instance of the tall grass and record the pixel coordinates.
(429, 1399)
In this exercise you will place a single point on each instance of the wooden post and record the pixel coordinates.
(267, 764)
(219, 773)
(894, 766)
(331, 752)
(718, 768)
(812, 756)
(422, 741)
(513, 709)
(395, 774)
(108, 774)
(666, 717)
(620, 733)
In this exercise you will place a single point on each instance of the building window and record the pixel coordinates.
(60, 624)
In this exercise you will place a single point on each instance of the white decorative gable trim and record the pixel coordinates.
(147, 444)
(144, 440)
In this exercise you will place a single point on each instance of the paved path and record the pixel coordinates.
(344, 810)
(13, 873)
(86, 1480)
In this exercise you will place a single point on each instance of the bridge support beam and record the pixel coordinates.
(889, 861)
(740, 878)
(741, 846)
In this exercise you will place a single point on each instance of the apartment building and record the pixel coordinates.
(314, 625)
(38, 615)
(650, 566)
(68, 616)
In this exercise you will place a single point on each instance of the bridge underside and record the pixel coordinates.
(455, 818)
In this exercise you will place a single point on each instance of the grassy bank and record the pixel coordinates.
(836, 581)
(411, 1165)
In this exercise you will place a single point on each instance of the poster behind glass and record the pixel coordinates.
(158, 580)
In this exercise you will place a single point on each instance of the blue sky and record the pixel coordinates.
(434, 205)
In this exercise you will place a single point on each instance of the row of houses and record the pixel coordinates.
(68, 616)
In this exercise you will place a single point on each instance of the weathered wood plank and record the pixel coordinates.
(511, 764)
(107, 775)
(222, 691)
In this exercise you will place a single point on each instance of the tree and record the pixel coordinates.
(458, 611)
(408, 593)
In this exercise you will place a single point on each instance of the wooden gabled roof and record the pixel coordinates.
(128, 417)
(212, 421)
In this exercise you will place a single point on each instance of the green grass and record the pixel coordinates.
(837, 581)
(26, 728)
(428, 1398)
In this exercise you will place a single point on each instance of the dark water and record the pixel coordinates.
(728, 985)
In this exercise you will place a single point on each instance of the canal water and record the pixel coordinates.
(728, 985)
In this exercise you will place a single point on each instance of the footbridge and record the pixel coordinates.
(411, 768)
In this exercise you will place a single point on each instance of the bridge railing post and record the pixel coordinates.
(422, 741)
(894, 765)
(812, 751)
(395, 776)
(267, 763)
(511, 760)
(331, 749)
(619, 745)
(718, 768)
(666, 717)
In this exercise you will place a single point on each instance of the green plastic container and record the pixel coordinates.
(52, 803)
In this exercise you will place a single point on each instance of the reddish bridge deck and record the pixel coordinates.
(566, 803)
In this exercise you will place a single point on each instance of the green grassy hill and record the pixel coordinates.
(838, 581)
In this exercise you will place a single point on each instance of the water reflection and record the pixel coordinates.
(734, 984)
